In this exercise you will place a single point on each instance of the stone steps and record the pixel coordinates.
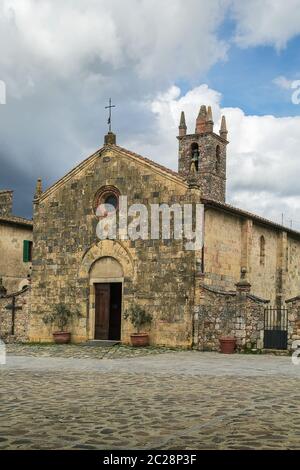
(276, 352)
(102, 343)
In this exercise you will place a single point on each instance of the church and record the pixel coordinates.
(245, 263)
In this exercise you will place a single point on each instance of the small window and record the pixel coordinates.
(106, 201)
(27, 251)
(111, 202)
(262, 247)
(218, 159)
(195, 155)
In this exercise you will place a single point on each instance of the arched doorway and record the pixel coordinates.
(106, 282)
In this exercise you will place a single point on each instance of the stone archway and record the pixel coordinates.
(105, 267)
(107, 248)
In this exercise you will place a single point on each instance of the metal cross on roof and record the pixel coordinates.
(109, 116)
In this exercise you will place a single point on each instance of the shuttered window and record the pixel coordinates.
(27, 251)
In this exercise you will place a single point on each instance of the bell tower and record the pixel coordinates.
(202, 155)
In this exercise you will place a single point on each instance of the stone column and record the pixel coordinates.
(243, 287)
(281, 270)
(246, 245)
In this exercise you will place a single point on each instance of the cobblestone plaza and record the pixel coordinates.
(69, 398)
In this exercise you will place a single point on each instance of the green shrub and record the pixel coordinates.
(62, 316)
(137, 316)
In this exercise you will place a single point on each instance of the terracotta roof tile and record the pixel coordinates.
(258, 218)
(11, 219)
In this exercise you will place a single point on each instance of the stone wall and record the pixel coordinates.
(22, 314)
(6, 202)
(232, 242)
(265, 277)
(220, 313)
(292, 267)
(236, 313)
(293, 306)
(222, 249)
(13, 271)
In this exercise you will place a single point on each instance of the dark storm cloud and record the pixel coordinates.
(22, 185)
(62, 64)
(46, 133)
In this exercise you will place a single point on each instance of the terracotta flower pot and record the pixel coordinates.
(61, 337)
(227, 344)
(139, 339)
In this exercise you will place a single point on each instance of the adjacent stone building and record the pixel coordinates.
(183, 289)
(15, 246)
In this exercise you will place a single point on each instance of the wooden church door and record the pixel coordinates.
(102, 310)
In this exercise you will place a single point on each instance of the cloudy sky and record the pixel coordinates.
(61, 61)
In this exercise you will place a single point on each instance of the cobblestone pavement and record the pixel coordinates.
(179, 400)
(81, 350)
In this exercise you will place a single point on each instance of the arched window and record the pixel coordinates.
(218, 158)
(108, 198)
(262, 254)
(195, 155)
(110, 202)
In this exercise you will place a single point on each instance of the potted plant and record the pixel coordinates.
(62, 316)
(139, 318)
(227, 344)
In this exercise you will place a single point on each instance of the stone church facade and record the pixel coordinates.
(245, 263)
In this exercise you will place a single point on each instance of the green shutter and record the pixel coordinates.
(25, 251)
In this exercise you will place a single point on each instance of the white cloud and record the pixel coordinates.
(292, 85)
(62, 60)
(166, 108)
(266, 22)
(155, 40)
(263, 155)
(283, 82)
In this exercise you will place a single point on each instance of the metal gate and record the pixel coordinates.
(275, 328)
